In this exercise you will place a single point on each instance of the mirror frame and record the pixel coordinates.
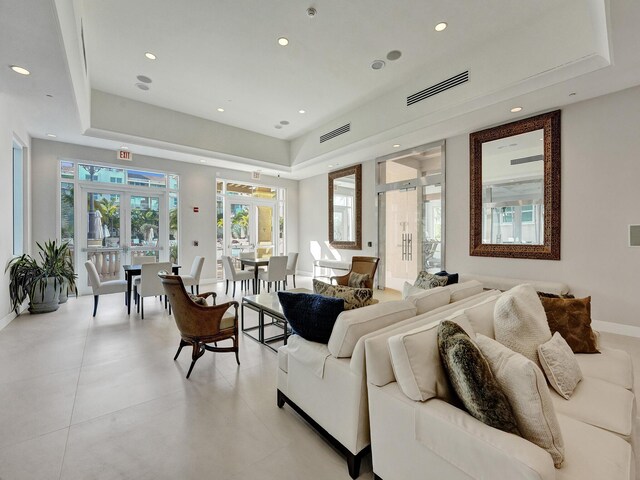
(357, 244)
(550, 250)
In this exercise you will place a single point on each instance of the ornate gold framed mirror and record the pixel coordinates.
(515, 189)
(345, 208)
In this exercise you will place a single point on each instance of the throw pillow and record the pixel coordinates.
(560, 365)
(426, 280)
(311, 316)
(358, 280)
(571, 317)
(198, 300)
(472, 380)
(526, 388)
(408, 290)
(553, 295)
(451, 277)
(520, 323)
(352, 297)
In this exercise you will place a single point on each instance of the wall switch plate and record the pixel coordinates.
(369, 244)
(196, 243)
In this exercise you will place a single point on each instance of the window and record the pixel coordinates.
(18, 203)
(67, 201)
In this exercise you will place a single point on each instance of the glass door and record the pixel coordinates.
(403, 240)
(145, 231)
(239, 225)
(264, 234)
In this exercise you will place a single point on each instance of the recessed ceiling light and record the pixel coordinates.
(284, 122)
(20, 70)
(144, 79)
(52, 135)
(221, 109)
(441, 26)
(142, 86)
(203, 161)
(330, 166)
(302, 111)
(124, 147)
(49, 95)
(394, 55)
(377, 65)
(516, 109)
(396, 145)
(278, 126)
(150, 56)
(572, 94)
(283, 41)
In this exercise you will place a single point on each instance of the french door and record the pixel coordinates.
(249, 226)
(117, 227)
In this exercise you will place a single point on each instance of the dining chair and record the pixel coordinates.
(148, 284)
(142, 259)
(102, 288)
(194, 276)
(292, 262)
(200, 325)
(276, 272)
(250, 255)
(231, 274)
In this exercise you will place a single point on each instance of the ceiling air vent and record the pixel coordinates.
(334, 133)
(438, 88)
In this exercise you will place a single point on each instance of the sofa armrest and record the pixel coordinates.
(488, 452)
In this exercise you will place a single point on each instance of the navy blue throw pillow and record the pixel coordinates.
(310, 315)
(451, 277)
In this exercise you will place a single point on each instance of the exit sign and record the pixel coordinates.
(255, 175)
(125, 155)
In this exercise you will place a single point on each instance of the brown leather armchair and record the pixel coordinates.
(200, 325)
(361, 265)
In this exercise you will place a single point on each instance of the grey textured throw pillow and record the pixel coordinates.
(472, 380)
(426, 280)
(198, 300)
(353, 297)
(358, 280)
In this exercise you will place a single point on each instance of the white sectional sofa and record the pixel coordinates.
(434, 439)
(326, 384)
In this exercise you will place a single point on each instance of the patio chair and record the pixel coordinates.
(361, 265)
(193, 279)
(102, 288)
(200, 325)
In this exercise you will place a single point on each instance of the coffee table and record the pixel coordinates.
(267, 305)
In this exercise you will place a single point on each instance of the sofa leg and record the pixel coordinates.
(376, 477)
(353, 462)
(280, 399)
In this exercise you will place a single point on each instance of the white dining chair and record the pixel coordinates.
(233, 275)
(276, 272)
(102, 288)
(142, 259)
(193, 279)
(149, 284)
(292, 262)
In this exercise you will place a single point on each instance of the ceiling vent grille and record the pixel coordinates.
(334, 133)
(520, 161)
(438, 88)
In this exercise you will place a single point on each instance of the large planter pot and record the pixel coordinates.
(64, 291)
(47, 301)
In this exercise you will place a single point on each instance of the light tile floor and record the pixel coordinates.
(84, 398)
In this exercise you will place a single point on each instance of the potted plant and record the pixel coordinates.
(40, 282)
(58, 259)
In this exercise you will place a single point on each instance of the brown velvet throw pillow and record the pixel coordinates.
(571, 317)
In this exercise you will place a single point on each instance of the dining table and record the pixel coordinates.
(255, 263)
(131, 271)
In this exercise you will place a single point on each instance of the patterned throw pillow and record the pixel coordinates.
(426, 280)
(311, 316)
(571, 317)
(472, 380)
(358, 280)
(560, 365)
(198, 300)
(353, 297)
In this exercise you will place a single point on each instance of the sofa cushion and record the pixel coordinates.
(463, 290)
(520, 322)
(311, 316)
(612, 365)
(283, 358)
(526, 388)
(601, 404)
(352, 324)
(559, 365)
(427, 300)
(472, 380)
(427, 280)
(352, 297)
(481, 316)
(358, 280)
(572, 318)
(416, 361)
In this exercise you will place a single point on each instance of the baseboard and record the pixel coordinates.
(207, 281)
(8, 318)
(618, 328)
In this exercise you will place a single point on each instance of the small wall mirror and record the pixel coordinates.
(515, 189)
(345, 208)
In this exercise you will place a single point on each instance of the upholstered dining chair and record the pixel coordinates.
(276, 272)
(200, 325)
(292, 262)
(361, 265)
(233, 275)
(142, 259)
(193, 279)
(148, 284)
(102, 288)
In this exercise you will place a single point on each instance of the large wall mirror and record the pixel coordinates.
(515, 189)
(345, 208)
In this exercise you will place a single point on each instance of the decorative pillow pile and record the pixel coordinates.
(526, 389)
(560, 365)
(311, 316)
(520, 323)
(426, 280)
(199, 300)
(352, 297)
(571, 317)
(451, 277)
(358, 280)
(472, 380)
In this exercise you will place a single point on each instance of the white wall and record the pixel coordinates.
(197, 188)
(600, 198)
(11, 126)
(314, 223)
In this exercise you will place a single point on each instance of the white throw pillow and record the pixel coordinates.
(560, 365)
(520, 322)
(416, 361)
(408, 289)
(427, 300)
(526, 389)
